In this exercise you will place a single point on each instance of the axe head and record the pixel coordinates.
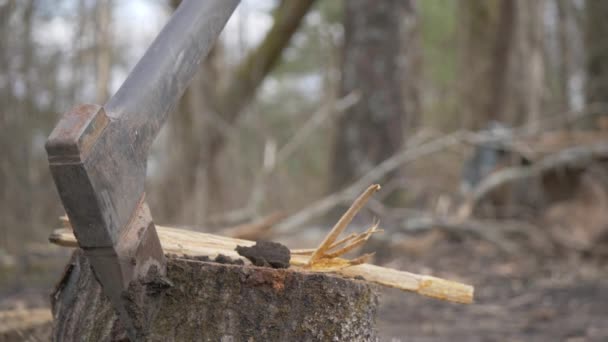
(102, 192)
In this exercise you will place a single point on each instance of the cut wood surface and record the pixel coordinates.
(184, 242)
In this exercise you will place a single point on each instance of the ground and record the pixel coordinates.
(517, 298)
(522, 297)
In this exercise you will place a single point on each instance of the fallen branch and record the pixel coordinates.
(571, 158)
(257, 230)
(493, 231)
(324, 205)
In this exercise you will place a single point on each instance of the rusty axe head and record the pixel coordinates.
(98, 155)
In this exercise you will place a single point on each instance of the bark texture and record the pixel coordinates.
(372, 130)
(502, 65)
(210, 301)
(597, 51)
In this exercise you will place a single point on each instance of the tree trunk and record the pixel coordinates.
(528, 78)
(596, 40)
(565, 24)
(477, 33)
(501, 51)
(103, 58)
(502, 62)
(209, 301)
(372, 130)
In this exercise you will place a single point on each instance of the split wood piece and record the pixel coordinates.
(184, 242)
(324, 260)
(259, 229)
(209, 301)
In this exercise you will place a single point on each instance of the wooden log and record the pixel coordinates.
(210, 301)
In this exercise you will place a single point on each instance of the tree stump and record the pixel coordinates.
(211, 301)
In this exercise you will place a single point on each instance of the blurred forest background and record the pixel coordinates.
(483, 120)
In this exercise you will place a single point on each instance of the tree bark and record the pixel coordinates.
(502, 62)
(501, 52)
(477, 56)
(566, 58)
(528, 79)
(596, 39)
(209, 301)
(372, 130)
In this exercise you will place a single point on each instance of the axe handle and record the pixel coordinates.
(98, 155)
(155, 85)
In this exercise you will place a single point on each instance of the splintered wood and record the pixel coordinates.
(325, 258)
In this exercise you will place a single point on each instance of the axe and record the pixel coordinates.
(98, 156)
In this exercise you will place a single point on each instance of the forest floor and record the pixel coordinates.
(517, 297)
(521, 297)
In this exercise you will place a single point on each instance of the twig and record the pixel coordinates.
(325, 112)
(344, 240)
(357, 242)
(309, 251)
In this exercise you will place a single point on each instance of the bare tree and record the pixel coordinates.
(481, 50)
